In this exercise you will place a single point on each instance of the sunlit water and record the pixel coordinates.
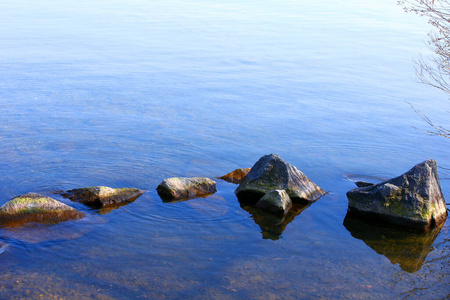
(127, 93)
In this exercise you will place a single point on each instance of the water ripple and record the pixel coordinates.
(213, 208)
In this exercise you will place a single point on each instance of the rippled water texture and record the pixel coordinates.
(127, 93)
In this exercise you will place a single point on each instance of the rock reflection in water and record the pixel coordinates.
(34, 233)
(273, 225)
(408, 249)
(108, 209)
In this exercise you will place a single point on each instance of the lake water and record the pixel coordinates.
(125, 93)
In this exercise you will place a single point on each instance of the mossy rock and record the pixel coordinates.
(34, 207)
(413, 199)
(103, 196)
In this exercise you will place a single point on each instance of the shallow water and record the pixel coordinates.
(127, 93)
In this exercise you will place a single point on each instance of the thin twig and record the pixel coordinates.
(439, 130)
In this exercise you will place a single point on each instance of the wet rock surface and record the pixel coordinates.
(37, 208)
(183, 188)
(236, 176)
(270, 173)
(413, 199)
(276, 201)
(102, 196)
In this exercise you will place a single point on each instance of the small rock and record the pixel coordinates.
(276, 201)
(363, 183)
(101, 196)
(33, 207)
(236, 176)
(270, 173)
(182, 188)
(413, 199)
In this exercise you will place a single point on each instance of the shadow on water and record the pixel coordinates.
(407, 249)
(166, 199)
(273, 225)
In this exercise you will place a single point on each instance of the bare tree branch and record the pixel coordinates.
(434, 71)
(438, 130)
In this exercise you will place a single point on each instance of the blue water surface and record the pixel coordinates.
(126, 93)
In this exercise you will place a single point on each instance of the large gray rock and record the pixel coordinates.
(413, 199)
(270, 173)
(101, 196)
(33, 207)
(182, 188)
(276, 201)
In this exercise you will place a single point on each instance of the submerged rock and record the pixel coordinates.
(182, 188)
(236, 176)
(33, 207)
(413, 199)
(276, 201)
(270, 173)
(101, 196)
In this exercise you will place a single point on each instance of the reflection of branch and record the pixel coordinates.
(438, 130)
(444, 173)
